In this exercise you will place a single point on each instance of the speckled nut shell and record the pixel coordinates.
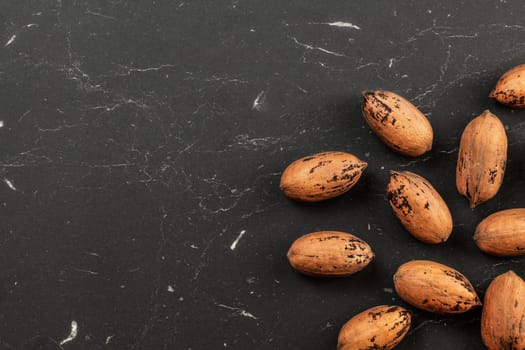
(419, 207)
(329, 253)
(510, 88)
(503, 314)
(502, 233)
(482, 158)
(435, 287)
(321, 176)
(397, 122)
(380, 327)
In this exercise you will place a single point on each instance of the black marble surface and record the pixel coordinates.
(141, 149)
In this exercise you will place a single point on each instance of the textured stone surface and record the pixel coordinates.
(141, 145)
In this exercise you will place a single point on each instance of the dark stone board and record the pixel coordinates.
(140, 139)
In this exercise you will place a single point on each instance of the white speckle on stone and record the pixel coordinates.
(239, 311)
(258, 103)
(170, 289)
(10, 41)
(234, 244)
(10, 184)
(343, 25)
(72, 334)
